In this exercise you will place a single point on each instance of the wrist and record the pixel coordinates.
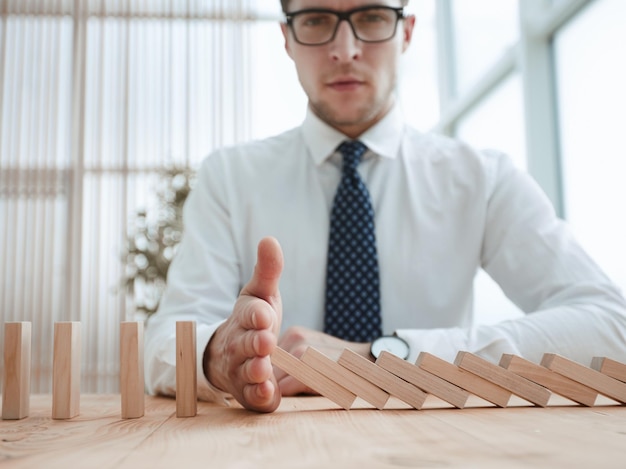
(392, 344)
(209, 365)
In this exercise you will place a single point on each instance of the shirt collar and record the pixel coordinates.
(383, 139)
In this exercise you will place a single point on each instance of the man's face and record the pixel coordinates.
(350, 84)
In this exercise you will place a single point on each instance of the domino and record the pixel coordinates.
(609, 367)
(132, 382)
(16, 376)
(602, 383)
(389, 382)
(465, 380)
(312, 378)
(341, 381)
(519, 386)
(346, 378)
(555, 382)
(186, 370)
(422, 379)
(66, 370)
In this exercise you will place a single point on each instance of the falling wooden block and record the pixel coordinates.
(66, 370)
(346, 378)
(16, 381)
(609, 367)
(312, 378)
(555, 382)
(186, 370)
(464, 379)
(594, 379)
(382, 378)
(132, 382)
(519, 386)
(422, 379)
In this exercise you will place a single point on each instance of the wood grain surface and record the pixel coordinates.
(307, 432)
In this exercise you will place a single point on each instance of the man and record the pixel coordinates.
(442, 210)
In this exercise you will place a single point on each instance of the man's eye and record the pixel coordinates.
(321, 20)
(373, 18)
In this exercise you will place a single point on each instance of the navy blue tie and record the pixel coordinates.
(352, 280)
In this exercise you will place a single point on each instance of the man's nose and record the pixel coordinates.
(345, 46)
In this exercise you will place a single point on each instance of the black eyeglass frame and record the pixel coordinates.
(345, 16)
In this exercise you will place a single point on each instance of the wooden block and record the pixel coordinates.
(346, 378)
(602, 383)
(553, 381)
(609, 367)
(66, 370)
(186, 370)
(422, 379)
(382, 378)
(312, 378)
(132, 383)
(519, 386)
(16, 380)
(469, 381)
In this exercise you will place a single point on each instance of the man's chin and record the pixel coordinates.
(343, 116)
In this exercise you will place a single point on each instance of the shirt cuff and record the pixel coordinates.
(206, 391)
(443, 343)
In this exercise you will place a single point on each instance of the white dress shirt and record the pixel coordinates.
(442, 211)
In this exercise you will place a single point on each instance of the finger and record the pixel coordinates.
(255, 313)
(256, 370)
(258, 343)
(265, 279)
(262, 397)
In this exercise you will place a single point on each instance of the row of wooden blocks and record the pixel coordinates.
(341, 381)
(66, 370)
(353, 376)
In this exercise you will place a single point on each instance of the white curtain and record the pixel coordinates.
(96, 97)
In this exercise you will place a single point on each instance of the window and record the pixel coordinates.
(592, 99)
(483, 31)
(496, 123)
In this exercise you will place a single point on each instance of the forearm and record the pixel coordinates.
(576, 332)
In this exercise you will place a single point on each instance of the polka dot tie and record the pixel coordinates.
(352, 284)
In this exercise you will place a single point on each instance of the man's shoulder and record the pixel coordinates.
(253, 159)
(438, 147)
(264, 147)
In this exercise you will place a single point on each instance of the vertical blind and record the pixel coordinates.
(96, 97)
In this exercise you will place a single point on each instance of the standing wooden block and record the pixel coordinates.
(594, 379)
(66, 370)
(464, 379)
(186, 370)
(346, 378)
(382, 378)
(519, 386)
(422, 379)
(609, 367)
(549, 379)
(312, 378)
(16, 381)
(132, 382)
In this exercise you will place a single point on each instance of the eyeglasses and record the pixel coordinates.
(317, 26)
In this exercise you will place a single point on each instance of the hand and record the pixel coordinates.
(296, 340)
(236, 359)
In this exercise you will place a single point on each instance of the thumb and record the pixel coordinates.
(266, 276)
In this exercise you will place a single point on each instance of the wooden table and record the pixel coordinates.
(307, 432)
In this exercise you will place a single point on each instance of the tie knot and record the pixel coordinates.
(352, 152)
